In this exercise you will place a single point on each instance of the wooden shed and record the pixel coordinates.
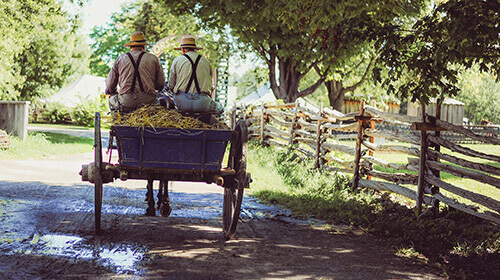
(451, 110)
(352, 103)
(14, 118)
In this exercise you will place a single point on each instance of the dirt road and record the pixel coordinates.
(46, 232)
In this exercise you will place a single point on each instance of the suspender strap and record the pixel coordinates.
(194, 65)
(137, 76)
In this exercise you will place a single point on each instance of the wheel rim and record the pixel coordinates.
(97, 174)
(233, 193)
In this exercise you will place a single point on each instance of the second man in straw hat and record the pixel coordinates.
(190, 79)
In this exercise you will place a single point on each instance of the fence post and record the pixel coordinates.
(421, 173)
(437, 148)
(232, 118)
(372, 139)
(294, 120)
(262, 125)
(318, 137)
(359, 139)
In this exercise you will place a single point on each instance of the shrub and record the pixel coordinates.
(57, 113)
(83, 114)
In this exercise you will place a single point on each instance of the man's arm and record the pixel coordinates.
(112, 80)
(172, 77)
(160, 77)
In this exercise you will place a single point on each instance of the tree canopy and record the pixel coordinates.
(294, 37)
(40, 48)
(157, 22)
(428, 56)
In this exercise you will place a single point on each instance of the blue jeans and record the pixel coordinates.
(194, 102)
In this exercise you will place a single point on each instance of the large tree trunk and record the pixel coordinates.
(336, 92)
(289, 79)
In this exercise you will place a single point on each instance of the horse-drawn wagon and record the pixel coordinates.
(173, 154)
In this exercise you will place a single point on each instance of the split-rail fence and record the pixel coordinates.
(320, 134)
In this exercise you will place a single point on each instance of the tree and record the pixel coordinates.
(293, 37)
(481, 95)
(157, 22)
(251, 81)
(455, 33)
(40, 48)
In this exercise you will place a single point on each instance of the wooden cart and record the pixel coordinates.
(171, 154)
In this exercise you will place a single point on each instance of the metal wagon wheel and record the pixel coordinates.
(233, 192)
(97, 172)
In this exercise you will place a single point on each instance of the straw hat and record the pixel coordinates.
(136, 39)
(188, 42)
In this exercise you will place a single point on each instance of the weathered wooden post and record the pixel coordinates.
(14, 118)
(318, 137)
(359, 140)
(437, 148)
(232, 117)
(292, 128)
(372, 139)
(421, 173)
(262, 125)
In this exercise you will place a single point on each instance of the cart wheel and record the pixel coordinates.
(233, 193)
(97, 172)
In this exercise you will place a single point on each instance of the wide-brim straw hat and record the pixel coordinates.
(188, 42)
(136, 39)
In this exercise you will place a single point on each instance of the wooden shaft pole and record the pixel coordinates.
(421, 173)
(262, 127)
(359, 140)
(292, 128)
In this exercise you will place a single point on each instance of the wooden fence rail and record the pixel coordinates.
(319, 134)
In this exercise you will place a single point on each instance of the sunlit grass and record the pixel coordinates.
(44, 144)
(284, 179)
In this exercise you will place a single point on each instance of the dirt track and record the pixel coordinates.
(46, 232)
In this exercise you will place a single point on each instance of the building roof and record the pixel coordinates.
(85, 88)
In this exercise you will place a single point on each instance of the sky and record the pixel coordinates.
(98, 12)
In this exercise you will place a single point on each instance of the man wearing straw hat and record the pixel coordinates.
(137, 74)
(190, 79)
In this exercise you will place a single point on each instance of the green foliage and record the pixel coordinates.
(157, 22)
(251, 81)
(83, 114)
(40, 48)
(455, 32)
(57, 113)
(481, 95)
(448, 241)
(295, 36)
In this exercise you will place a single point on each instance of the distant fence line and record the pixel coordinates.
(318, 134)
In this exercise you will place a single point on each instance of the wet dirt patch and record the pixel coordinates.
(47, 232)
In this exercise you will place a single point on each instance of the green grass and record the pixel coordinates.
(40, 145)
(469, 184)
(65, 126)
(282, 178)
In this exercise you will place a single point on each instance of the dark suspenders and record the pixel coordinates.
(137, 76)
(194, 65)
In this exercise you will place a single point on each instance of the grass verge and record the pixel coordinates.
(44, 144)
(462, 245)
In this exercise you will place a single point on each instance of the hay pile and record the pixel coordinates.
(157, 116)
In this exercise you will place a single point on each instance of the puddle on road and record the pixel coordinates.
(122, 258)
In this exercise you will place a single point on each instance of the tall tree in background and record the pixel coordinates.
(157, 22)
(293, 37)
(40, 48)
